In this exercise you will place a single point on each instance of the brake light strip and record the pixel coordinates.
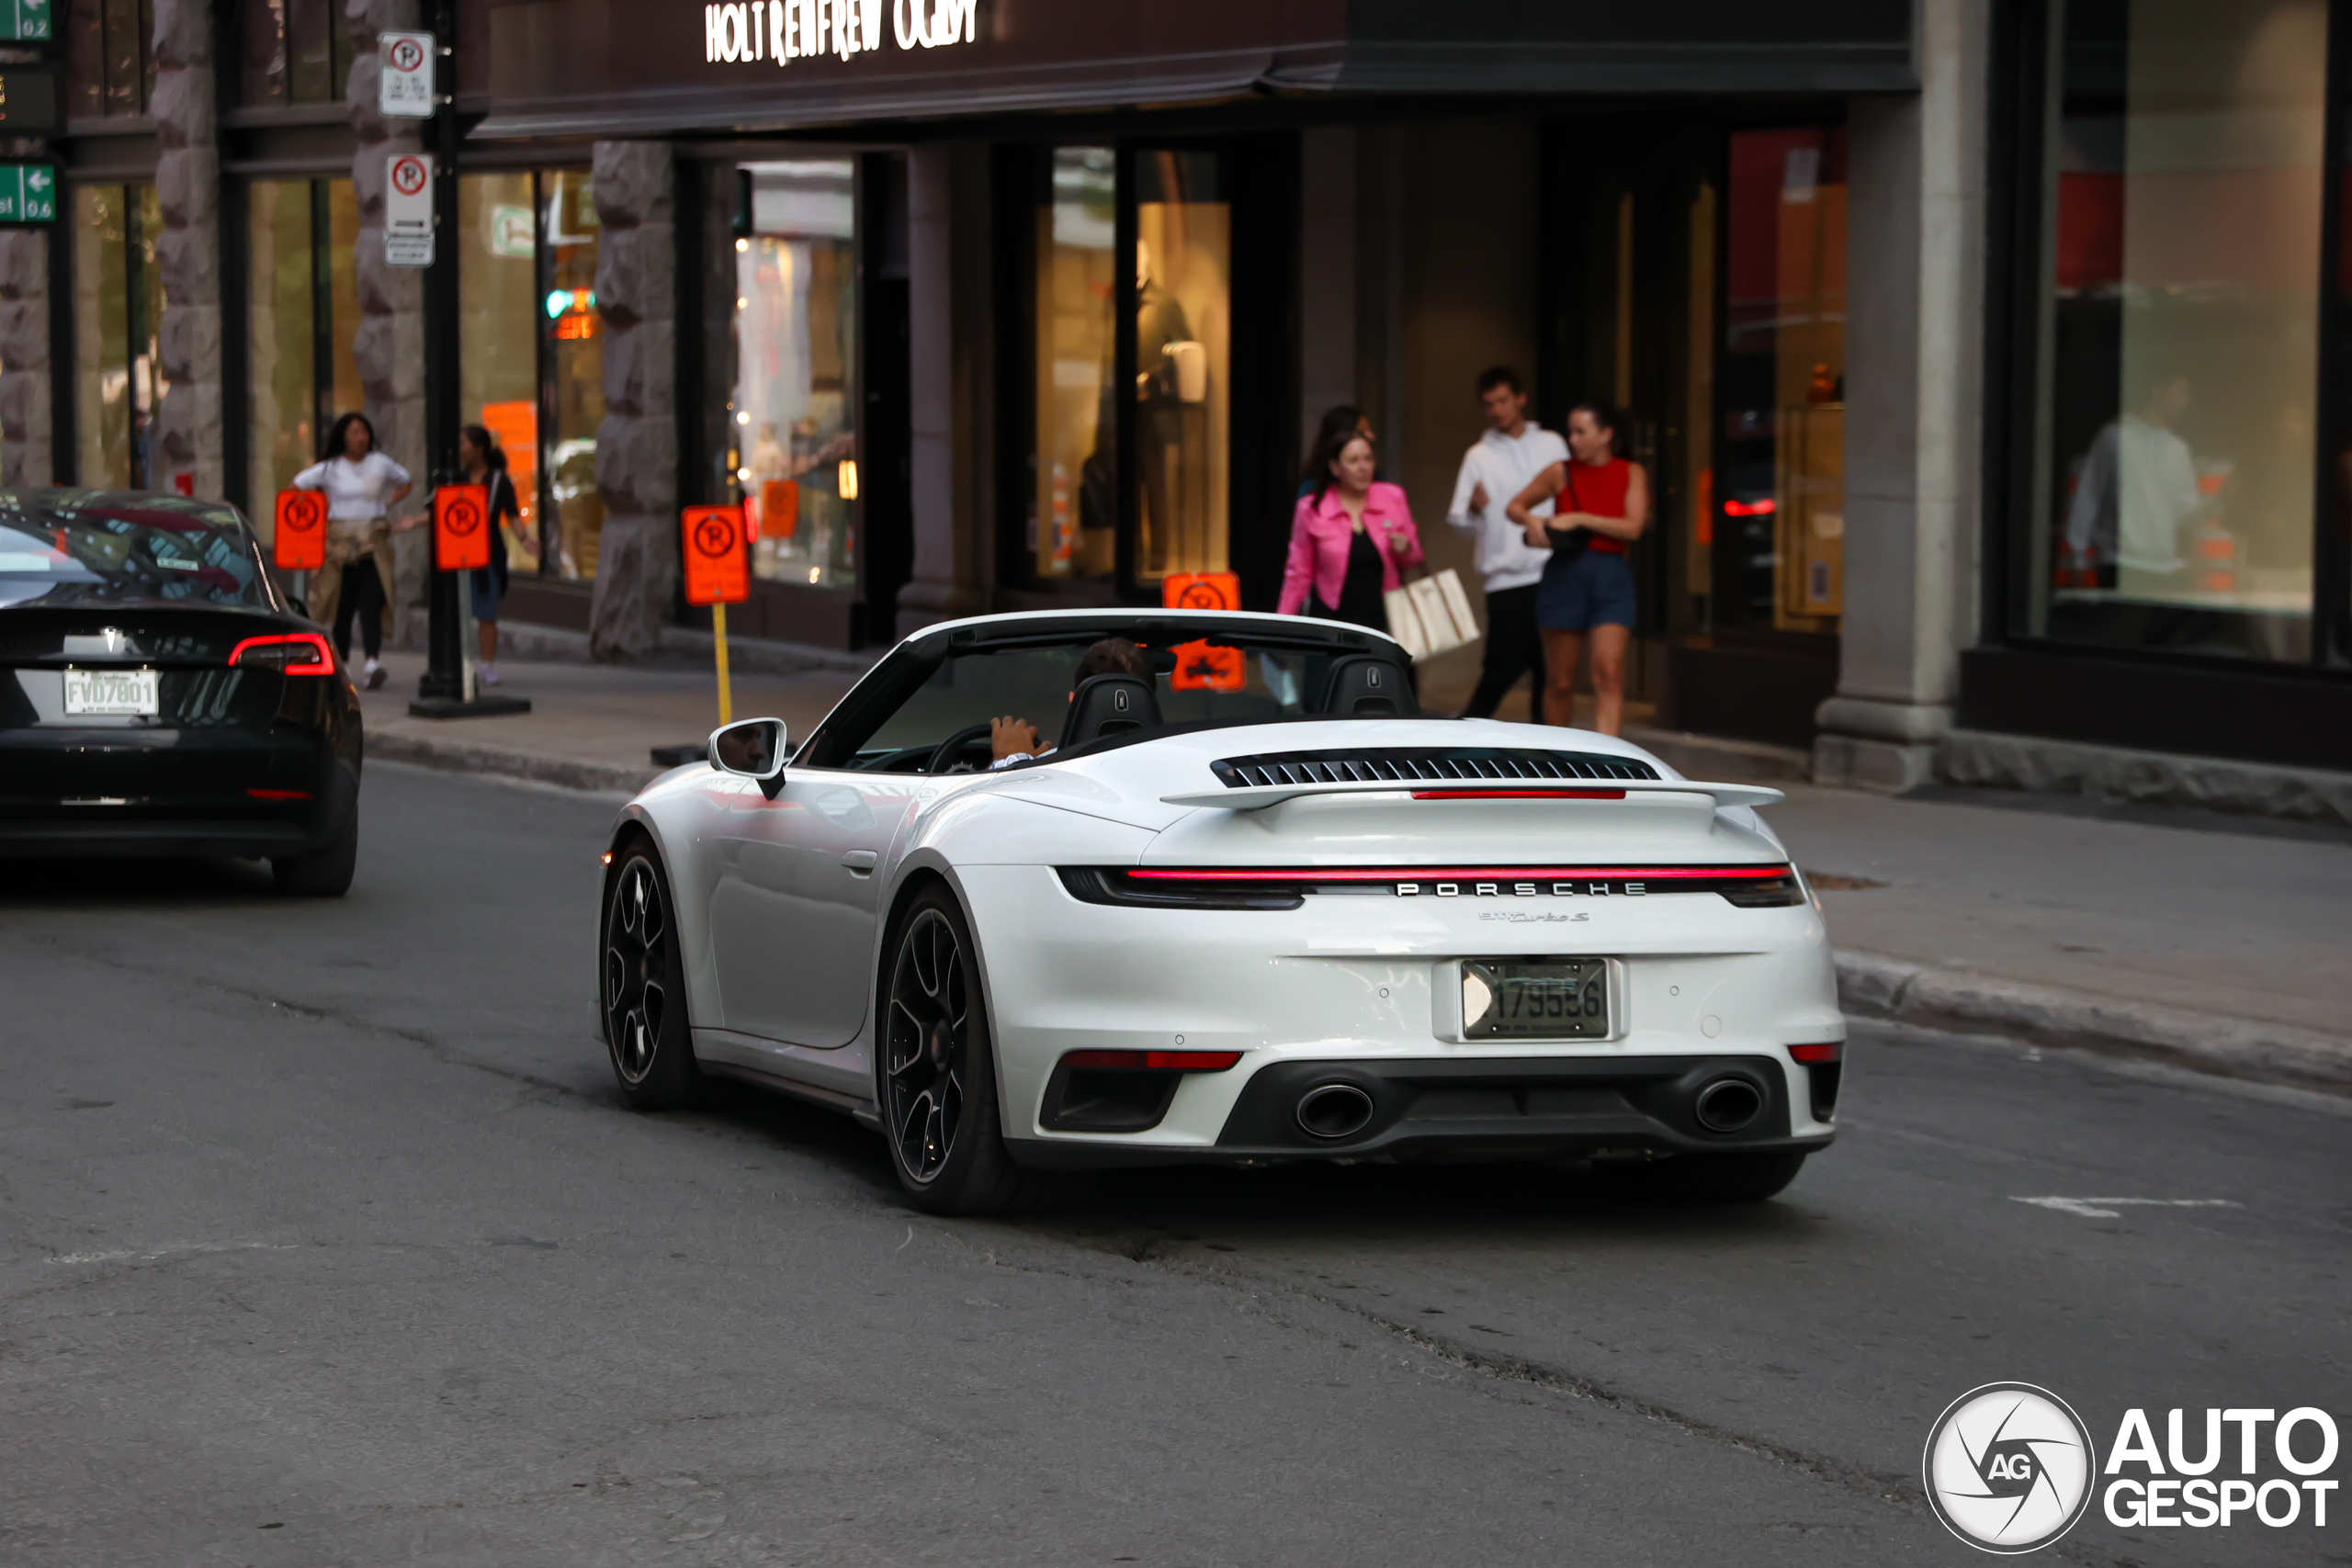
(1459, 873)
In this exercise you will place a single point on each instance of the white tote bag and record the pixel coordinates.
(1430, 615)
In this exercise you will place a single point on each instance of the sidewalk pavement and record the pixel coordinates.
(2220, 951)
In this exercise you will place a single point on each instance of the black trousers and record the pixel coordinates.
(363, 595)
(1513, 646)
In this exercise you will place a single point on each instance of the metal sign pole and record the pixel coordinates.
(444, 668)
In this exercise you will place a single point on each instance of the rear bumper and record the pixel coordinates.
(1495, 1108)
(1367, 991)
(164, 793)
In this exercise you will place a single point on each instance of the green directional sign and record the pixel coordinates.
(27, 193)
(23, 21)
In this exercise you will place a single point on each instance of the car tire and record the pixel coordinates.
(641, 987)
(323, 873)
(935, 1072)
(1708, 1178)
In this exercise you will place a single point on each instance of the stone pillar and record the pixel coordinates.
(1915, 408)
(943, 584)
(27, 449)
(389, 343)
(189, 434)
(637, 441)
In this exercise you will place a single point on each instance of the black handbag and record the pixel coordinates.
(1568, 543)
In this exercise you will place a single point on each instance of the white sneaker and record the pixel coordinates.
(374, 675)
(485, 675)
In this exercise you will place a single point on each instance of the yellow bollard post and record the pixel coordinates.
(718, 639)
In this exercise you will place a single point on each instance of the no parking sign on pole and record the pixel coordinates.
(461, 527)
(719, 573)
(299, 541)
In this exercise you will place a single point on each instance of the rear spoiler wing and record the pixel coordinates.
(1257, 798)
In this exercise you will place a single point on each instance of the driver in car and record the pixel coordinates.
(1014, 740)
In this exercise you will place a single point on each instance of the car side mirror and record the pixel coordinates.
(751, 748)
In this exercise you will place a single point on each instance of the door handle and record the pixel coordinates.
(860, 862)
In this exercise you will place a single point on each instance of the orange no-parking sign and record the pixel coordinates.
(719, 569)
(461, 527)
(299, 541)
(1200, 590)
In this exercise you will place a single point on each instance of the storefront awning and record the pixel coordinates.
(617, 68)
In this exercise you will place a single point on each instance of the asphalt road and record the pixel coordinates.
(324, 1239)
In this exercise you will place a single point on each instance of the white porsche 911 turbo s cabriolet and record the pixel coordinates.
(1239, 901)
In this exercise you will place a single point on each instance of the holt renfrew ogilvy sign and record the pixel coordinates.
(786, 30)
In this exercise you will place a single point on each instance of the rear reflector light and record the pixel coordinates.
(295, 653)
(1155, 1061)
(1519, 795)
(280, 794)
(1828, 1052)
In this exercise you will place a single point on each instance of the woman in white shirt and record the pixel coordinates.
(361, 486)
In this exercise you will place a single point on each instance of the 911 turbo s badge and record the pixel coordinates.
(1595, 888)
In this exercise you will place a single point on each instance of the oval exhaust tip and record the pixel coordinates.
(1334, 1111)
(1728, 1104)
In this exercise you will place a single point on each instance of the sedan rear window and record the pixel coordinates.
(154, 550)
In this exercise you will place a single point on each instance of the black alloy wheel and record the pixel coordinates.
(642, 989)
(936, 1071)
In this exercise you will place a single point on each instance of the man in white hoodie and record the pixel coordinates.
(1510, 453)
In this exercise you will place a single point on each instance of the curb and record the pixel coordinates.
(1871, 985)
(460, 757)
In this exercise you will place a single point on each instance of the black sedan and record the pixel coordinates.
(160, 695)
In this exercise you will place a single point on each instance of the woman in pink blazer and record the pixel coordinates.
(1348, 539)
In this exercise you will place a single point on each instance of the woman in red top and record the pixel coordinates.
(1348, 538)
(1602, 503)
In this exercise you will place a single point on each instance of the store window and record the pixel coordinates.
(1776, 498)
(2172, 377)
(302, 309)
(1074, 510)
(290, 52)
(572, 393)
(109, 63)
(498, 362)
(117, 317)
(1184, 355)
(1164, 310)
(531, 363)
(793, 405)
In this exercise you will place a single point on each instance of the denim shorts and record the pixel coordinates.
(1595, 589)
(485, 586)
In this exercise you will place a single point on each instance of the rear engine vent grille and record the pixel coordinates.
(1433, 765)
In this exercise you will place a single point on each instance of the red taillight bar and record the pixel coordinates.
(280, 794)
(1519, 795)
(1458, 873)
(1827, 1051)
(1155, 1061)
(320, 662)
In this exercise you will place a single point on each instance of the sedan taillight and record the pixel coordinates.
(295, 653)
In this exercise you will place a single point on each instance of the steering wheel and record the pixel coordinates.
(944, 752)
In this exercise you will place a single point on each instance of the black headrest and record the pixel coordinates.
(1361, 685)
(1109, 705)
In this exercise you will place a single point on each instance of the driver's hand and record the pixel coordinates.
(1012, 738)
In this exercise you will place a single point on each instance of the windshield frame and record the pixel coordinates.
(836, 742)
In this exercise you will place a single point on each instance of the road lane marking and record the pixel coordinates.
(2092, 1208)
(171, 1249)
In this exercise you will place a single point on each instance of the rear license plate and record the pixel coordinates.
(1540, 998)
(109, 692)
